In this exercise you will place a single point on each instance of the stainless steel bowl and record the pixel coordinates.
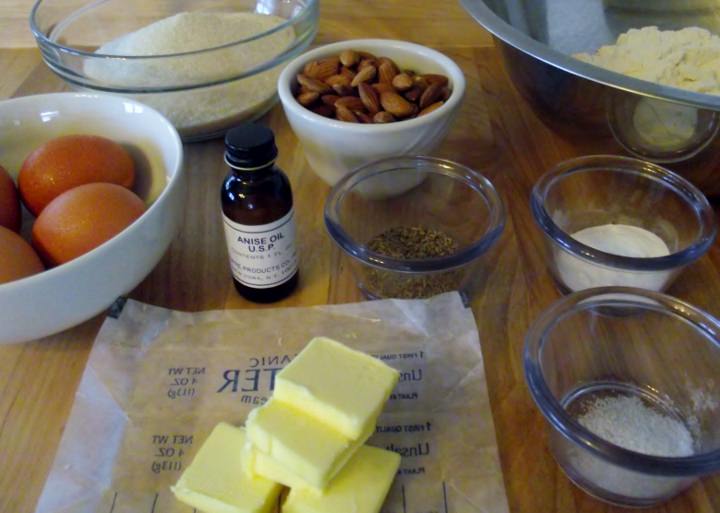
(538, 38)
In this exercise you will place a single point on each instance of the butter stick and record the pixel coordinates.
(267, 467)
(361, 486)
(302, 445)
(341, 387)
(215, 481)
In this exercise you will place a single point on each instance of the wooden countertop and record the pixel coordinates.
(496, 133)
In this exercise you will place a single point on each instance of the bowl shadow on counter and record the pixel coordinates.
(599, 119)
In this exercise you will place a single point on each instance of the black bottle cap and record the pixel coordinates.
(250, 146)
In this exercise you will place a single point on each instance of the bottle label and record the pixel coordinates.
(262, 256)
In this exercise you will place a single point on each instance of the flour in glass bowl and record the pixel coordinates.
(628, 423)
(207, 109)
(577, 273)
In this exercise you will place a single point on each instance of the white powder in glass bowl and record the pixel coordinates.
(628, 422)
(578, 273)
(204, 110)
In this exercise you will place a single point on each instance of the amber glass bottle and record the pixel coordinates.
(258, 216)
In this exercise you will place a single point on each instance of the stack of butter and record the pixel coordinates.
(309, 437)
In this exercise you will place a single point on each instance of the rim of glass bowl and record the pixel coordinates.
(469, 177)
(675, 182)
(553, 411)
(293, 50)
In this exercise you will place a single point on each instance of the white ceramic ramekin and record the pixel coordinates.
(334, 148)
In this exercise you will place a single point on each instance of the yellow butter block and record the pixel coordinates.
(215, 481)
(361, 486)
(267, 467)
(248, 458)
(344, 388)
(303, 445)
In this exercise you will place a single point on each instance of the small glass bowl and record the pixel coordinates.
(599, 190)
(202, 92)
(660, 131)
(643, 346)
(423, 192)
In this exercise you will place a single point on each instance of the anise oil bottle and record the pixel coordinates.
(258, 216)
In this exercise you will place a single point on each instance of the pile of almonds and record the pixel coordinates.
(359, 87)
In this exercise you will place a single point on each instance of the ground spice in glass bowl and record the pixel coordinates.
(412, 243)
(415, 241)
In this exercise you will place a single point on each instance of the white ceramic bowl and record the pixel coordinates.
(69, 294)
(334, 148)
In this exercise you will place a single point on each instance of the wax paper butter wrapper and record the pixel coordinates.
(157, 381)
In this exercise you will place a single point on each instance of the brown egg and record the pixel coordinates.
(10, 216)
(83, 218)
(68, 161)
(17, 257)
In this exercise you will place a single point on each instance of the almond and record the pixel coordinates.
(431, 108)
(347, 72)
(323, 68)
(310, 69)
(338, 80)
(413, 94)
(402, 82)
(430, 95)
(382, 87)
(364, 75)
(312, 84)
(396, 104)
(323, 110)
(364, 118)
(434, 78)
(445, 93)
(308, 98)
(343, 90)
(364, 63)
(345, 114)
(350, 102)
(419, 81)
(387, 71)
(391, 62)
(383, 117)
(369, 98)
(329, 99)
(349, 58)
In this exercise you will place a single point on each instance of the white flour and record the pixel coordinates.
(207, 109)
(618, 239)
(627, 422)
(687, 58)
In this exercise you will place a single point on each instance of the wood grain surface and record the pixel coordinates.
(496, 133)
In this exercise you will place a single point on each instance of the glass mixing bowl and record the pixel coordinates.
(642, 368)
(202, 90)
(428, 194)
(601, 190)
